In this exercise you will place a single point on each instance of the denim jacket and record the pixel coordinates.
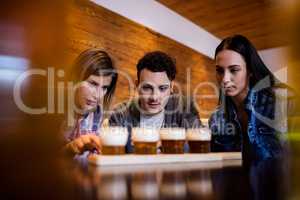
(262, 140)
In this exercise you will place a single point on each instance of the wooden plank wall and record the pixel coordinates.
(90, 25)
(263, 22)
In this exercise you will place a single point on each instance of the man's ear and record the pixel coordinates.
(136, 82)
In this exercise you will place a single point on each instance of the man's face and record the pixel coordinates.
(154, 89)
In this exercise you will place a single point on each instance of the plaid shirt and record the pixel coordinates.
(262, 139)
(88, 124)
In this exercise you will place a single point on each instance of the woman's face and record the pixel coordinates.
(232, 75)
(90, 92)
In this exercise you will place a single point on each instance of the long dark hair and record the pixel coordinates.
(255, 67)
(254, 63)
(96, 62)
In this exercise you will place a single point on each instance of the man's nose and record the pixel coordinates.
(155, 94)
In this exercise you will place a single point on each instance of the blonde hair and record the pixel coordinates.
(95, 62)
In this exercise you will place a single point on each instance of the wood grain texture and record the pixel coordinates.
(264, 22)
(103, 160)
(90, 25)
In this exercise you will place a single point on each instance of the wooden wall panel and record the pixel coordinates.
(263, 22)
(90, 25)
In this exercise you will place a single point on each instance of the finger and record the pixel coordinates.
(85, 139)
(96, 141)
(90, 142)
(74, 148)
(79, 144)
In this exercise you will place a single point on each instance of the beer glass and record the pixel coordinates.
(145, 140)
(172, 140)
(199, 140)
(113, 140)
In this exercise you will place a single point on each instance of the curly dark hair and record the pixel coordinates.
(157, 61)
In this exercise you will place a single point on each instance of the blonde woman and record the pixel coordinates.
(97, 78)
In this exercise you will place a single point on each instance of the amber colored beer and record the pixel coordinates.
(145, 147)
(173, 146)
(199, 146)
(113, 150)
(172, 140)
(113, 140)
(145, 140)
(199, 140)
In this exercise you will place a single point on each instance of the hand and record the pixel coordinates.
(83, 143)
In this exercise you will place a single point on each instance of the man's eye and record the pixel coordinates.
(163, 88)
(146, 88)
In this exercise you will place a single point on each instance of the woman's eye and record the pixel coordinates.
(219, 71)
(105, 88)
(93, 83)
(234, 70)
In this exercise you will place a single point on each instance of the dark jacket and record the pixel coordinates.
(179, 112)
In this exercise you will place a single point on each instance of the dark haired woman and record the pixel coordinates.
(96, 78)
(245, 119)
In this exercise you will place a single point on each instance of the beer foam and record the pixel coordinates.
(145, 135)
(172, 134)
(204, 121)
(114, 136)
(199, 134)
